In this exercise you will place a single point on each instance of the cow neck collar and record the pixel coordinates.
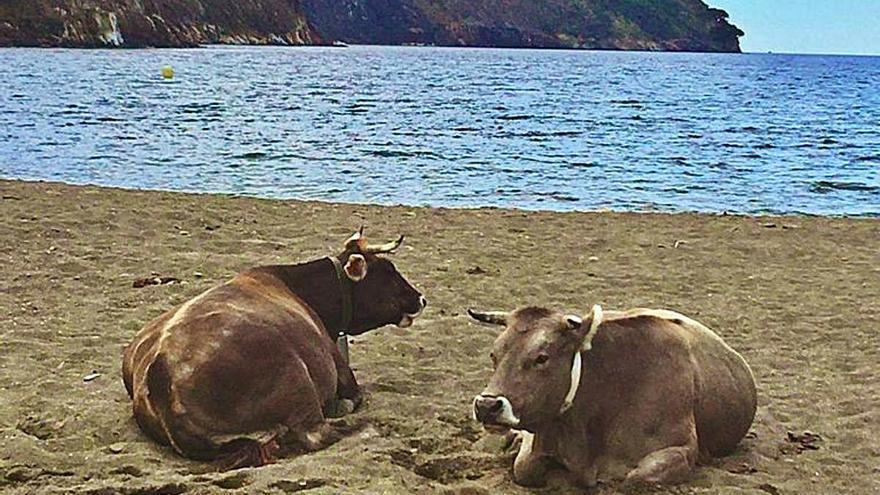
(576, 364)
(346, 288)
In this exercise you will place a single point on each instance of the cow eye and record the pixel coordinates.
(494, 359)
(541, 359)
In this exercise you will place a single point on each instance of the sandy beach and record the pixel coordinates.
(799, 297)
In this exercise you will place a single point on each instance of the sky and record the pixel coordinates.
(806, 26)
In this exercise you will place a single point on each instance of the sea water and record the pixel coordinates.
(535, 129)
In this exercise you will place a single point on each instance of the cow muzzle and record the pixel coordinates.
(408, 318)
(495, 412)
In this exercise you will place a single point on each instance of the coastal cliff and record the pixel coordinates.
(156, 23)
(674, 25)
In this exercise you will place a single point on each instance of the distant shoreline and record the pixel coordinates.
(451, 47)
(348, 45)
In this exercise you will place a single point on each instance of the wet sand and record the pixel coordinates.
(799, 297)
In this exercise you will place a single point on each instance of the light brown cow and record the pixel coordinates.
(641, 394)
(251, 367)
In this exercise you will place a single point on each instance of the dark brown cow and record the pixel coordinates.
(640, 394)
(251, 366)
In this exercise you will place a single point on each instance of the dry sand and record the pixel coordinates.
(799, 297)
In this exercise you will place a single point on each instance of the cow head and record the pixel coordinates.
(537, 366)
(380, 295)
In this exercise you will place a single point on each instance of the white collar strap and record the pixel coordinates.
(576, 364)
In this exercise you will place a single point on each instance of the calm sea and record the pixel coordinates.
(560, 130)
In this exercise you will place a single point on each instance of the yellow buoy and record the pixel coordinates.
(168, 72)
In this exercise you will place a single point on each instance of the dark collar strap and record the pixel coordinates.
(345, 290)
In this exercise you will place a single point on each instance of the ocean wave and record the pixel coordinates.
(252, 155)
(826, 186)
(406, 154)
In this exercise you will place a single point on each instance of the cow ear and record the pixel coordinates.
(573, 321)
(356, 267)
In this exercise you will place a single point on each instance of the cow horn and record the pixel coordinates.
(356, 239)
(493, 317)
(595, 320)
(388, 247)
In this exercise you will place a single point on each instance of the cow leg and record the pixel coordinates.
(320, 436)
(348, 392)
(245, 452)
(316, 438)
(531, 464)
(581, 463)
(588, 476)
(307, 428)
(672, 464)
(666, 466)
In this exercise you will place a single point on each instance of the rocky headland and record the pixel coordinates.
(671, 25)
